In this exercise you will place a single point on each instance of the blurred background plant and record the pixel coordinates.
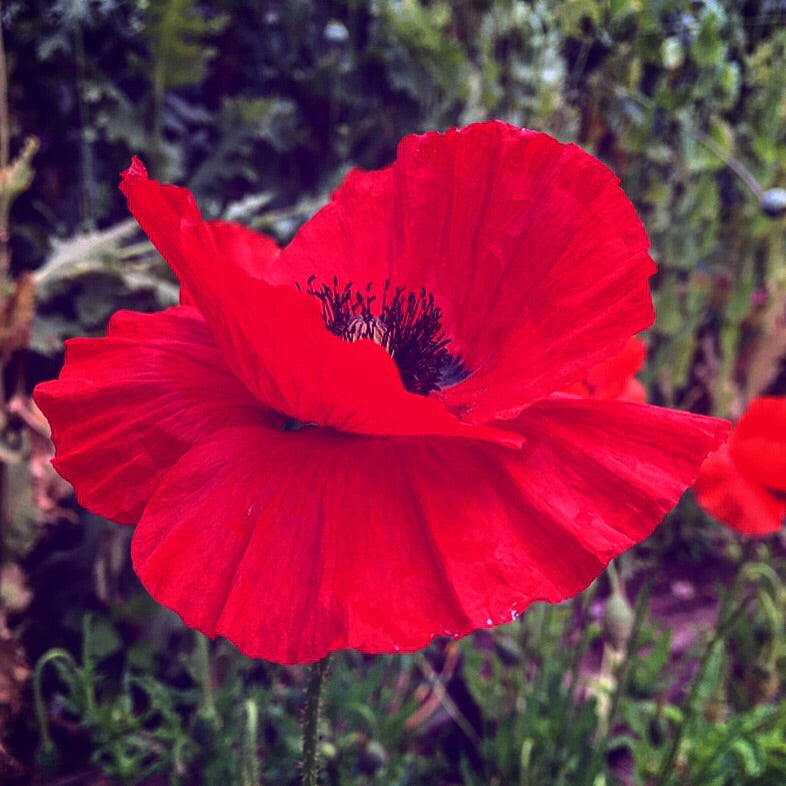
(657, 674)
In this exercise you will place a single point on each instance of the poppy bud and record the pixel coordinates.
(773, 202)
(48, 757)
(372, 757)
(617, 621)
(327, 750)
(206, 726)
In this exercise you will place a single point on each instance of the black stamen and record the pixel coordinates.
(407, 325)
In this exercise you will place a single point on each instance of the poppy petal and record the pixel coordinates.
(627, 463)
(633, 391)
(126, 407)
(309, 541)
(758, 442)
(274, 338)
(532, 251)
(252, 251)
(614, 378)
(725, 492)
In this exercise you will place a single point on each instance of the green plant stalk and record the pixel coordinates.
(614, 579)
(38, 696)
(578, 652)
(544, 631)
(203, 673)
(88, 673)
(525, 757)
(763, 365)
(250, 765)
(535, 629)
(159, 79)
(726, 622)
(311, 722)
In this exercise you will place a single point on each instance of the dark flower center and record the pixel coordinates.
(407, 324)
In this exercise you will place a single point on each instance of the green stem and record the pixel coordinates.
(614, 578)
(578, 652)
(88, 672)
(203, 672)
(311, 722)
(38, 696)
(726, 621)
(250, 765)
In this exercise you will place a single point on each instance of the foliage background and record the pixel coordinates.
(260, 108)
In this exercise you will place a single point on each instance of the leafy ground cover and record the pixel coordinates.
(669, 669)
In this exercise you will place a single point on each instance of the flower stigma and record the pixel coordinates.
(407, 324)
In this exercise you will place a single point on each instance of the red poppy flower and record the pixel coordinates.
(356, 441)
(743, 483)
(616, 377)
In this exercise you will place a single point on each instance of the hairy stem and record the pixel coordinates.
(311, 722)
(250, 765)
(203, 672)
